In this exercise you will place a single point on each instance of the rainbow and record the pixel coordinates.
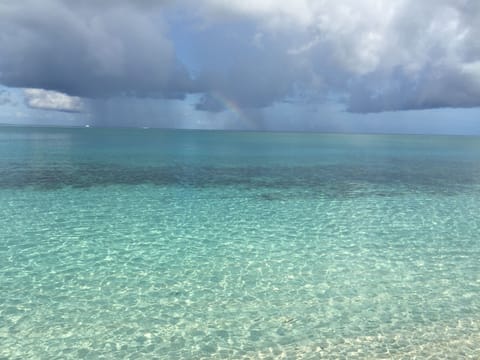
(233, 108)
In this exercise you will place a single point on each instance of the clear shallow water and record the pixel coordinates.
(184, 244)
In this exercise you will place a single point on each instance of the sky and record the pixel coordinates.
(397, 66)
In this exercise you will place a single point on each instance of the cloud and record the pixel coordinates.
(255, 81)
(52, 100)
(5, 98)
(207, 102)
(370, 55)
(435, 86)
(251, 70)
(381, 56)
(89, 49)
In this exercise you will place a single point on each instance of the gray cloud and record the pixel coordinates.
(209, 103)
(252, 70)
(371, 56)
(250, 83)
(435, 61)
(434, 87)
(395, 55)
(5, 98)
(89, 49)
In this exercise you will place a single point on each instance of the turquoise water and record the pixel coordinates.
(185, 244)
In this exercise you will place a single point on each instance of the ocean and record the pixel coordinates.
(146, 243)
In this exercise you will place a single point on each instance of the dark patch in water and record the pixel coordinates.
(345, 181)
(269, 197)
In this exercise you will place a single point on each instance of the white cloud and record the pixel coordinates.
(355, 31)
(473, 70)
(52, 100)
(275, 13)
(364, 35)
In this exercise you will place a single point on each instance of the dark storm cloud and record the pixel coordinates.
(89, 49)
(432, 88)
